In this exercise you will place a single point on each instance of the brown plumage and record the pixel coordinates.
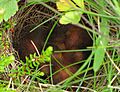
(64, 37)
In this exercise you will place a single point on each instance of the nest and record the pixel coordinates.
(64, 37)
(31, 18)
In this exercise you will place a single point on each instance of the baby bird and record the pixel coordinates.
(64, 37)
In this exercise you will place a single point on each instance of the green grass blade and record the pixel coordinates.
(101, 43)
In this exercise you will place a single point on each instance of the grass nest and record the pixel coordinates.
(42, 17)
(36, 17)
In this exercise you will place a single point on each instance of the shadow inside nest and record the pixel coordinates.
(63, 37)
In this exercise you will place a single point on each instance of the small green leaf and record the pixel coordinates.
(41, 73)
(49, 51)
(46, 55)
(71, 17)
(28, 70)
(80, 3)
(48, 59)
(31, 65)
(35, 64)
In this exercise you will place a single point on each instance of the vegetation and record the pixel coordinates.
(103, 17)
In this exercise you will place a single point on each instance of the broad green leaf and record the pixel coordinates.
(65, 5)
(10, 7)
(101, 43)
(71, 17)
